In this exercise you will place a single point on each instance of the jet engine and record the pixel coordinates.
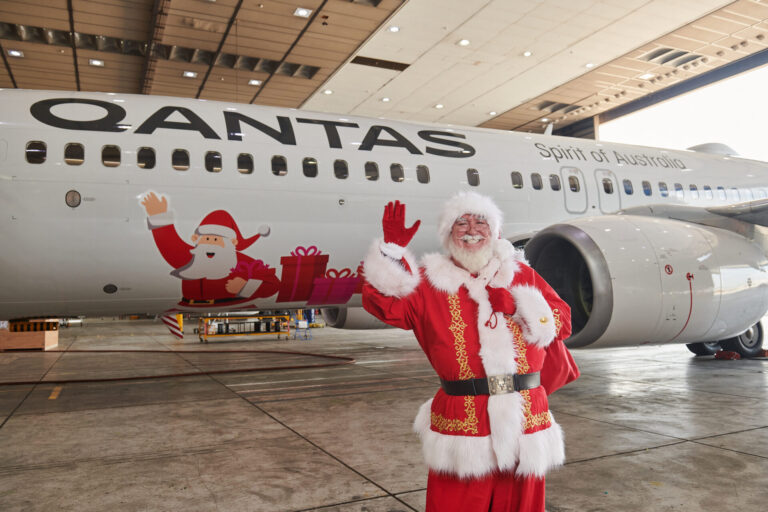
(633, 280)
(351, 318)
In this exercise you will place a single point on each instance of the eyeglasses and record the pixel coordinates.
(465, 224)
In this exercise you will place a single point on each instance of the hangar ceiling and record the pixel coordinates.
(506, 64)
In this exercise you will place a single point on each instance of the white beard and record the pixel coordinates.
(217, 267)
(473, 261)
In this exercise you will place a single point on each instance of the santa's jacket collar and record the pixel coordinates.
(448, 277)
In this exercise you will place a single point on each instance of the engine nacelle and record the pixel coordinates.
(633, 280)
(352, 318)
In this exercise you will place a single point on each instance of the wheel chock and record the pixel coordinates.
(727, 354)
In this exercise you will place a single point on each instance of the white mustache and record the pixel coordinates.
(472, 238)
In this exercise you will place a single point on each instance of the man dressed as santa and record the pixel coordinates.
(493, 330)
(214, 271)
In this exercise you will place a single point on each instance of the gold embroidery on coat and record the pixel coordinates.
(457, 328)
(534, 420)
(467, 425)
(558, 322)
(517, 338)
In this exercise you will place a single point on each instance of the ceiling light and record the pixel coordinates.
(301, 12)
(254, 82)
(646, 76)
(463, 42)
(544, 119)
(96, 62)
(491, 113)
(589, 65)
(15, 53)
(327, 91)
(394, 28)
(189, 74)
(385, 100)
(439, 105)
(527, 53)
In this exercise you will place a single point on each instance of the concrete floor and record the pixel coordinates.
(647, 429)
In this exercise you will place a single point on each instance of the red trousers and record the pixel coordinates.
(498, 492)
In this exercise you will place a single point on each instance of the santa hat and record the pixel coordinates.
(473, 203)
(221, 223)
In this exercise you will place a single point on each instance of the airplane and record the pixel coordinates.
(115, 204)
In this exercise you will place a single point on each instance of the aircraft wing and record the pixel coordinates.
(754, 212)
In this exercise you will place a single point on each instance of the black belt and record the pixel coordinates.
(493, 385)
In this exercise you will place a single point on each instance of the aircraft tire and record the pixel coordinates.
(747, 344)
(704, 349)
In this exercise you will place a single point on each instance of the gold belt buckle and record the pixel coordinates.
(501, 384)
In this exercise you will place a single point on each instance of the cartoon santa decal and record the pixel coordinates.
(214, 271)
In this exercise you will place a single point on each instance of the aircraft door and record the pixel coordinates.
(575, 191)
(607, 191)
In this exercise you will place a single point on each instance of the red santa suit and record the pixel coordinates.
(480, 449)
(261, 281)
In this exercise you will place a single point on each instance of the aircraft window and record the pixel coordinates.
(371, 171)
(74, 153)
(663, 189)
(678, 190)
(694, 191)
(145, 158)
(397, 173)
(708, 192)
(213, 161)
(310, 167)
(279, 165)
(473, 177)
(180, 159)
(517, 179)
(573, 183)
(536, 181)
(422, 173)
(760, 193)
(554, 182)
(36, 151)
(608, 185)
(721, 193)
(628, 188)
(110, 156)
(340, 169)
(244, 163)
(733, 194)
(647, 188)
(746, 194)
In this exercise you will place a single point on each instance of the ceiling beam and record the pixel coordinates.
(288, 52)
(221, 45)
(159, 13)
(8, 67)
(74, 45)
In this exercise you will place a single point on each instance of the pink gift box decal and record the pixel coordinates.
(336, 287)
(300, 269)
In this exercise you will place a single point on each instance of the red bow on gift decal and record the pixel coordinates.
(336, 274)
(312, 250)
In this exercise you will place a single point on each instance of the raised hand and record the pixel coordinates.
(154, 205)
(393, 223)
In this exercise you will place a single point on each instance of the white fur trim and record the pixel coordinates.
(264, 230)
(394, 251)
(465, 456)
(387, 275)
(250, 287)
(215, 229)
(532, 308)
(507, 418)
(468, 202)
(541, 451)
(159, 220)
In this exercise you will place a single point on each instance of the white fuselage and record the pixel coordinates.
(59, 260)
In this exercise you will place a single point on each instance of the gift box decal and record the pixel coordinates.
(300, 270)
(336, 287)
